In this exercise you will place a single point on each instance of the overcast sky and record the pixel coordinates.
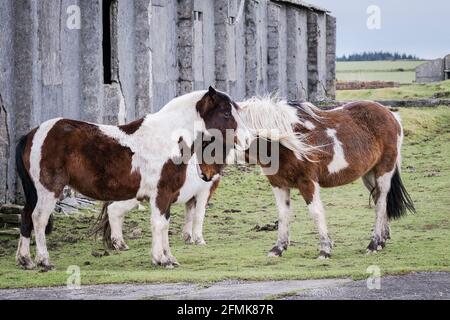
(419, 27)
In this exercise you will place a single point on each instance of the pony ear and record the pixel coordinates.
(211, 91)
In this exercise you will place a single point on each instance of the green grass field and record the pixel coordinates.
(404, 92)
(398, 71)
(235, 251)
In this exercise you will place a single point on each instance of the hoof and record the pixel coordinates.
(25, 262)
(119, 245)
(375, 245)
(187, 238)
(166, 262)
(173, 261)
(275, 252)
(46, 267)
(324, 255)
(200, 242)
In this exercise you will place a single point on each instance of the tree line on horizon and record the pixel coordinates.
(377, 56)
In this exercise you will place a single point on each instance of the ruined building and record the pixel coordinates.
(112, 61)
(434, 70)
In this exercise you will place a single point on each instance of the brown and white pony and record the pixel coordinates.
(114, 163)
(327, 149)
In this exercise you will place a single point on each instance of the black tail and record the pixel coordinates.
(30, 192)
(398, 199)
(103, 226)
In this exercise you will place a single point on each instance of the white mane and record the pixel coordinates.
(273, 118)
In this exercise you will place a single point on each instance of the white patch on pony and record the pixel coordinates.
(36, 152)
(155, 142)
(282, 198)
(116, 214)
(23, 249)
(399, 140)
(46, 199)
(199, 217)
(338, 162)
(193, 184)
(309, 125)
(317, 213)
(384, 185)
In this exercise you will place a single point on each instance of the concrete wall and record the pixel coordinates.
(297, 54)
(330, 86)
(230, 47)
(6, 103)
(164, 51)
(277, 46)
(256, 47)
(431, 71)
(317, 57)
(52, 67)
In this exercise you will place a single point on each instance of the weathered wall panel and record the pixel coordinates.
(164, 51)
(297, 54)
(277, 49)
(230, 47)
(143, 58)
(7, 193)
(91, 61)
(331, 57)
(256, 47)
(70, 60)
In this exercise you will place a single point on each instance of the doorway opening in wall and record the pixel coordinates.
(107, 12)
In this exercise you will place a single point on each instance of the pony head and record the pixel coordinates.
(223, 126)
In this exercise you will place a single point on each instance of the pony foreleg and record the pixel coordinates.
(317, 213)
(189, 220)
(283, 199)
(40, 216)
(199, 217)
(116, 214)
(161, 254)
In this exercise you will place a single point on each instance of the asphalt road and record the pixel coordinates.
(412, 286)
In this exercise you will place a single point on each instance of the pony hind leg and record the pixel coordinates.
(311, 193)
(116, 212)
(283, 201)
(23, 256)
(189, 221)
(199, 218)
(381, 230)
(41, 214)
(371, 183)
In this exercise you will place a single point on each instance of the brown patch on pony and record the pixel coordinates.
(172, 179)
(132, 127)
(78, 154)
